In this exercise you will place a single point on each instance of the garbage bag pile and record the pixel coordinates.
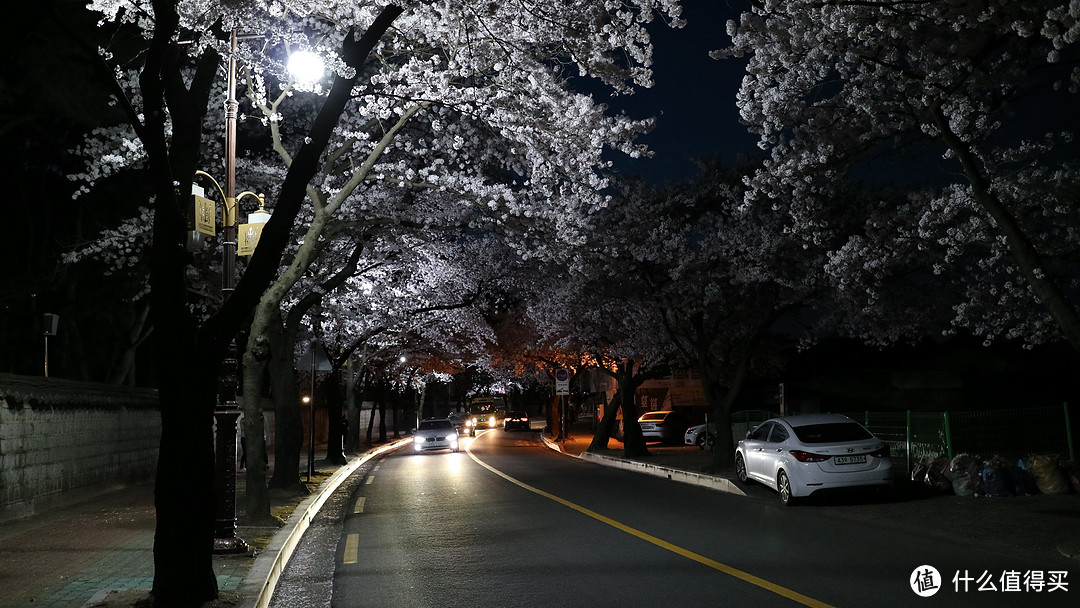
(969, 475)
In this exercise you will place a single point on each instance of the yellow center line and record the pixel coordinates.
(352, 549)
(659, 542)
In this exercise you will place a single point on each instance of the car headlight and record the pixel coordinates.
(452, 436)
(418, 440)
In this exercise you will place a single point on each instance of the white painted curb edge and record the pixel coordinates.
(261, 581)
(696, 479)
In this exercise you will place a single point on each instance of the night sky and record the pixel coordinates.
(693, 98)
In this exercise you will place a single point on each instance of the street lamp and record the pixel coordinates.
(305, 66)
(226, 413)
(308, 65)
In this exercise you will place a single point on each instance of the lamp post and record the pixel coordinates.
(226, 413)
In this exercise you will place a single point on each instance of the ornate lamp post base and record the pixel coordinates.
(230, 545)
(225, 539)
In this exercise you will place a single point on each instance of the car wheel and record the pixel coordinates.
(700, 441)
(740, 468)
(783, 487)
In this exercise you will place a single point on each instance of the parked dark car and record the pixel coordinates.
(516, 421)
(667, 426)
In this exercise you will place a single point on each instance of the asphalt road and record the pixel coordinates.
(507, 522)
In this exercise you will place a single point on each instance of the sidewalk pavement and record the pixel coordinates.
(100, 552)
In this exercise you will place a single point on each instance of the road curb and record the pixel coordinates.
(258, 586)
(712, 482)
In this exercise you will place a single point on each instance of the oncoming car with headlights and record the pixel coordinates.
(435, 434)
(486, 413)
(800, 455)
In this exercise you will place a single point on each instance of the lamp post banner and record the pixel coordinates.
(205, 215)
(248, 238)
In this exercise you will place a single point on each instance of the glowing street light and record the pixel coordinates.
(306, 66)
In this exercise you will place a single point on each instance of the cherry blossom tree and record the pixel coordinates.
(499, 68)
(963, 104)
(725, 277)
(594, 308)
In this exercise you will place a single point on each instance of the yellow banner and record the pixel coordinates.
(247, 237)
(205, 217)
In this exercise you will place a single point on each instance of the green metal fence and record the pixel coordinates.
(913, 436)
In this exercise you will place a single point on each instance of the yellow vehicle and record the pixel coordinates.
(486, 413)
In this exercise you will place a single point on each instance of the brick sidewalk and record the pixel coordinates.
(72, 556)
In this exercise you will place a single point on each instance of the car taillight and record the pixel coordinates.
(802, 456)
(882, 452)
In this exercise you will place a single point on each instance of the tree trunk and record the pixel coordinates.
(557, 419)
(375, 404)
(607, 424)
(722, 402)
(184, 495)
(187, 381)
(421, 406)
(353, 405)
(633, 441)
(256, 494)
(395, 408)
(335, 402)
(288, 426)
(185, 358)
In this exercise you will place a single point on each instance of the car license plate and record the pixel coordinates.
(860, 459)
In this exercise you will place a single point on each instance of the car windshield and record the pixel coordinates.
(434, 424)
(831, 432)
(518, 415)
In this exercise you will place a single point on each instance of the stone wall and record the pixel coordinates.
(61, 441)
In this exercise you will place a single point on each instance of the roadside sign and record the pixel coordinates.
(562, 382)
(314, 358)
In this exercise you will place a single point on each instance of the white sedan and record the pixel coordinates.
(799, 455)
(435, 434)
(697, 435)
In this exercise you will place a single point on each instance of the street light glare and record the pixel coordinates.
(306, 66)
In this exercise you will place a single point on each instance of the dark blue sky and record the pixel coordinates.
(693, 98)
